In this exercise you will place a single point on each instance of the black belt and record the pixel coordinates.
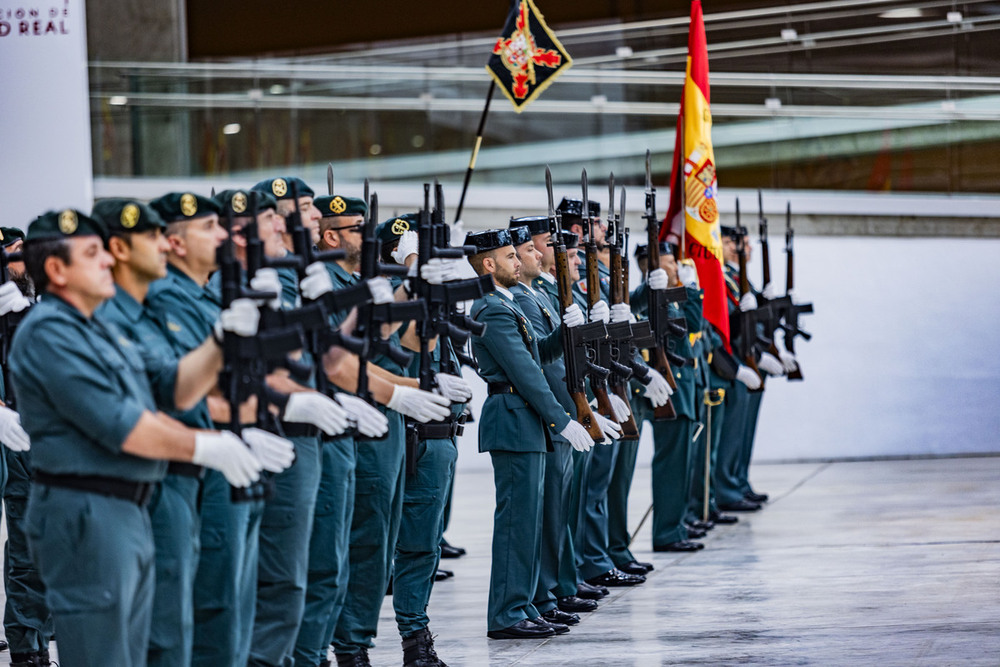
(185, 470)
(438, 430)
(135, 492)
(297, 430)
(494, 388)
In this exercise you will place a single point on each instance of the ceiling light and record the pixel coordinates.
(624, 52)
(788, 34)
(954, 17)
(118, 100)
(231, 128)
(902, 13)
(772, 103)
(276, 89)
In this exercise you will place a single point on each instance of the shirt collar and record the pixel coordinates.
(126, 303)
(505, 292)
(549, 278)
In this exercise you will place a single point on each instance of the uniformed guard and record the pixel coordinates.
(517, 422)
(95, 467)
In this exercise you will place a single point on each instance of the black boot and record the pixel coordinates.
(30, 659)
(418, 651)
(359, 659)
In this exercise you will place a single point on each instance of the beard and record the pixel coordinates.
(24, 284)
(504, 278)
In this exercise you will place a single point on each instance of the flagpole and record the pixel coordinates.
(475, 149)
(682, 249)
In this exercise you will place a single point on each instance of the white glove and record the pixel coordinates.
(769, 292)
(658, 390)
(11, 433)
(687, 275)
(770, 364)
(573, 317)
(621, 312)
(788, 360)
(407, 246)
(795, 300)
(316, 283)
(420, 405)
(748, 302)
(266, 280)
(657, 279)
(611, 429)
(747, 376)
(368, 420)
(225, 452)
(457, 232)
(381, 290)
(11, 299)
(578, 437)
(438, 271)
(312, 407)
(453, 387)
(619, 407)
(600, 312)
(274, 452)
(241, 318)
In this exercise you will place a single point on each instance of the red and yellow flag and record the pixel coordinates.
(693, 214)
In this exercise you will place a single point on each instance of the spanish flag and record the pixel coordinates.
(693, 186)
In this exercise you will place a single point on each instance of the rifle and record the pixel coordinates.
(578, 343)
(771, 310)
(622, 354)
(8, 324)
(660, 323)
(747, 321)
(792, 312)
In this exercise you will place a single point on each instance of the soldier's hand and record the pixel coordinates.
(316, 283)
(573, 316)
(687, 275)
(381, 290)
(11, 299)
(407, 246)
(611, 429)
(748, 302)
(658, 390)
(621, 408)
(453, 387)
(769, 292)
(420, 405)
(225, 452)
(600, 312)
(368, 420)
(788, 360)
(312, 407)
(266, 280)
(577, 436)
(439, 271)
(274, 452)
(748, 377)
(241, 318)
(770, 364)
(657, 279)
(621, 312)
(11, 432)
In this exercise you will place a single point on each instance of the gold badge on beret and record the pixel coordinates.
(399, 227)
(1, 235)
(239, 202)
(338, 205)
(130, 216)
(279, 187)
(189, 205)
(67, 222)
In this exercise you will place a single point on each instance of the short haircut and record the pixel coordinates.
(477, 260)
(35, 254)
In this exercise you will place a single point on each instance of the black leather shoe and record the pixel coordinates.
(589, 591)
(558, 616)
(559, 628)
(755, 497)
(441, 575)
(633, 568)
(702, 525)
(720, 518)
(359, 659)
(526, 629)
(576, 605)
(739, 506)
(448, 551)
(615, 577)
(683, 545)
(695, 534)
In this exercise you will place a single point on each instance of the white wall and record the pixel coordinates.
(905, 357)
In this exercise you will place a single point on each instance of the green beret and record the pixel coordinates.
(126, 215)
(180, 206)
(491, 239)
(63, 224)
(520, 235)
(281, 187)
(390, 230)
(334, 205)
(9, 235)
(238, 202)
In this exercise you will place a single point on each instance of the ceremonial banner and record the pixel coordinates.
(693, 214)
(527, 57)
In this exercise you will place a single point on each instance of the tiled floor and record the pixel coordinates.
(884, 562)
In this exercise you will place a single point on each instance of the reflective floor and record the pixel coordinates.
(886, 562)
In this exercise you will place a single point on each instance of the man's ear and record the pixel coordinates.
(119, 249)
(331, 239)
(177, 245)
(490, 263)
(55, 269)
